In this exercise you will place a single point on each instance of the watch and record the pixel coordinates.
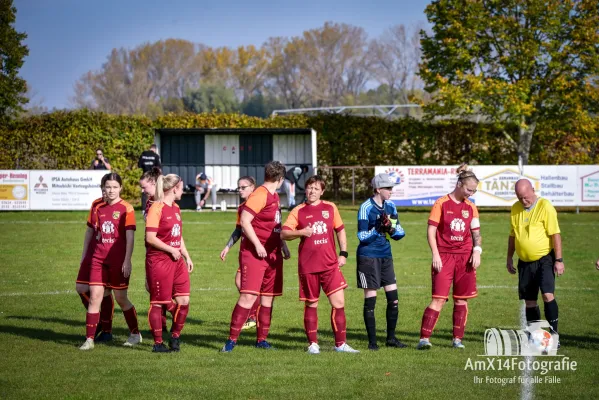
(559, 260)
(343, 254)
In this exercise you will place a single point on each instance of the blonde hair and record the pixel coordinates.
(164, 183)
(465, 173)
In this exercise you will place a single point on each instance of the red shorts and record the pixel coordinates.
(261, 276)
(166, 279)
(457, 269)
(330, 281)
(109, 275)
(84, 271)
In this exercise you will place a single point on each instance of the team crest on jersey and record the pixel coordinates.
(465, 213)
(325, 214)
(107, 227)
(319, 227)
(176, 231)
(116, 215)
(178, 217)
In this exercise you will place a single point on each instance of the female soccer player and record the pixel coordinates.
(245, 185)
(316, 222)
(147, 182)
(454, 239)
(114, 221)
(167, 273)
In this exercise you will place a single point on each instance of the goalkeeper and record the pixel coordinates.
(378, 218)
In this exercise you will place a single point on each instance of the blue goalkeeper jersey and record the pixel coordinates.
(372, 243)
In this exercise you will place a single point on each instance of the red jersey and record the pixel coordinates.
(90, 217)
(111, 222)
(266, 210)
(454, 221)
(149, 202)
(318, 252)
(166, 221)
(239, 211)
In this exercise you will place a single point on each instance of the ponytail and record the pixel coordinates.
(464, 173)
(164, 183)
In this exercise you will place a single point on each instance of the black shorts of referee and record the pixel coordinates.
(535, 275)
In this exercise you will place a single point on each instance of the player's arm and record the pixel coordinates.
(365, 235)
(235, 236)
(152, 240)
(89, 234)
(342, 240)
(557, 248)
(186, 255)
(208, 190)
(248, 229)
(290, 231)
(431, 234)
(130, 239)
(398, 231)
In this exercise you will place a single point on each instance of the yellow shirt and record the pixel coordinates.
(533, 229)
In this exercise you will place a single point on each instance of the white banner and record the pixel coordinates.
(588, 180)
(14, 192)
(64, 190)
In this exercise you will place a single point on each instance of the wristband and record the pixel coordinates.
(478, 248)
(343, 254)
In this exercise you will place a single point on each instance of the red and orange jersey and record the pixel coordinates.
(92, 209)
(149, 202)
(454, 221)
(318, 252)
(239, 211)
(266, 209)
(111, 222)
(166, 221)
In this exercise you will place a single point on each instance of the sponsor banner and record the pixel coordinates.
(588, 181)
(14, 191)
(64, 190)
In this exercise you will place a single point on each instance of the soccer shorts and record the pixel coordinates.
(261, 276)
(374, 273)
(109, 275)
(536, 275)
(84, 270)
(167, 279)
(457, 269)
(330, 281)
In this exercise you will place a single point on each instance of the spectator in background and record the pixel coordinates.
(100, 162)
(205, 187)
(148, 160)
(292, 178)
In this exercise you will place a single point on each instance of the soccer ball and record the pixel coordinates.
(541, 340)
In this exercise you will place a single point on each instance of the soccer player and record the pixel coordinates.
(260, 257)
(82, 282)
(245, 186)
(147, 182)
(315, 222)
(454, 238)
(377, 217)
(535, 236)
(111, 261)
(168, 263)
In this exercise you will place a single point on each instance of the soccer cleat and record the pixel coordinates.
(263, 344)
(174, 345)
(424, 344)
(88, 345)
(250, 323)
(373, 346)
(346, 348)
(314, 348)
(134, 338)
(457, 344)
(228, 347)
(160, 348)
(104, 337)
(394, 342)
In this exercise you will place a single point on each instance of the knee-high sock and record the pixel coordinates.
(533, 314)
(339, 325)
(238, 318)
(392, 312)
(254, 309)
(179, 318)
(429, 320)
(311, 323)
(107, 313)
(91, 322)
(264, 317)
(369, 320)
(131, 318)
(85, 299)
(460, 316)
(155, 321)
(163, 318)
(551, 313)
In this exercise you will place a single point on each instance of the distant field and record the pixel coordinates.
(42, 322)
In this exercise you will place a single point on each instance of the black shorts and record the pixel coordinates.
(374, 273)
(536, 275)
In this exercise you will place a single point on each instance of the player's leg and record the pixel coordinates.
(106, 316)
(392, 312)
(547, 286)
(160, 283)
(82, 290)
(272, 286)
(464, 288)
(333, 283)
(528, 289)
(130, 315)
(251, 321)
(309, 293)
(181, 289)
(198, 198)
(92, 317)
(369, 279)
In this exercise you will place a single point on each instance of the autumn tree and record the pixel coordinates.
(522, 62)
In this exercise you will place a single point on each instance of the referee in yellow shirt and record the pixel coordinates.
(535, 236)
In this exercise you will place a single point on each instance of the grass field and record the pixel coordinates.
(42, 322)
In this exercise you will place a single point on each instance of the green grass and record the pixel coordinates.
(42, 322)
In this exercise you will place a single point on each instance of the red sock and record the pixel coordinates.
(131, 318)
(429, 320)
(254, 309)
(264, 317)
(163, 318)
(85, 299)
(240, 315)
(155, 320)
(179, 319)
(106, 313)
(311, 323)
(339, 324)
(460, 316)
(91, 322)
